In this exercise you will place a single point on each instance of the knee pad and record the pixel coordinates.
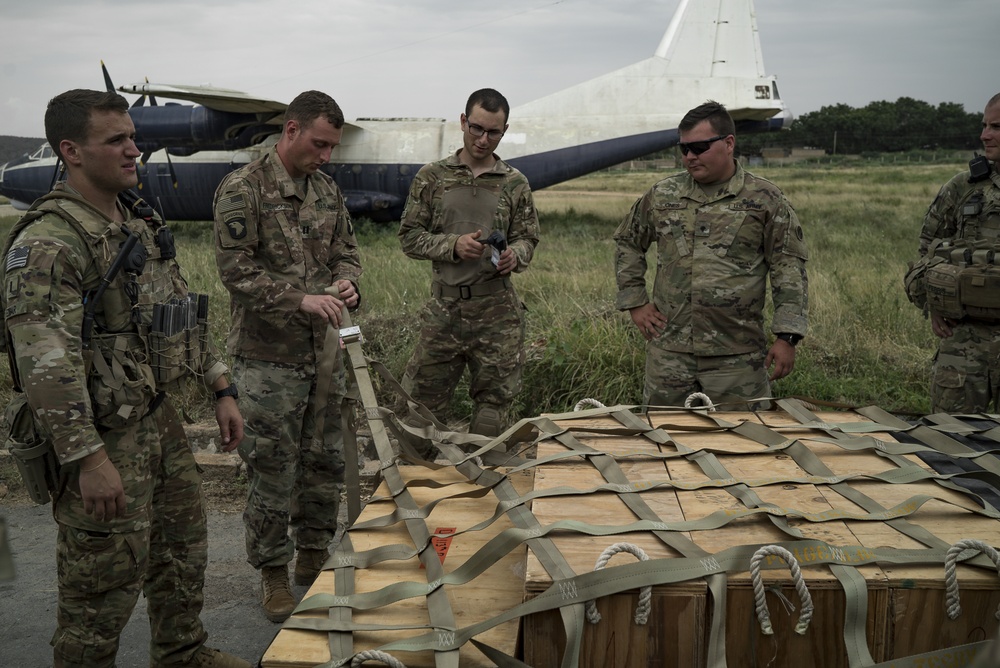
(486, 421)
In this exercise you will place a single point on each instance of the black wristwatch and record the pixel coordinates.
(230, 391)
(790, 339)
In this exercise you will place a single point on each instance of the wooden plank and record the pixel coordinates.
(497, 589)
(905, 611)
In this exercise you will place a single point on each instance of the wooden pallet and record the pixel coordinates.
(905, 603)
(498, 588)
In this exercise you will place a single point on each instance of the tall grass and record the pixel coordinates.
(866, 345)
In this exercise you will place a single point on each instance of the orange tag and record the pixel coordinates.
(442, 543)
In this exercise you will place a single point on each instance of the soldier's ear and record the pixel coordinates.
(70, 152)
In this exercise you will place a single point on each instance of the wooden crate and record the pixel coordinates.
(905, 610)
(498, 588)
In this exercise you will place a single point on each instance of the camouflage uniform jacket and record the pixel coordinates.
(714, 255)
(51, 267)
(447, 201)
(275, 245)
(964, 210)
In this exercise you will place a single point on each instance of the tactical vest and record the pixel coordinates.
(960, 277)
(135, 350)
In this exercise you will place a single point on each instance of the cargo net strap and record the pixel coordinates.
(478, 459)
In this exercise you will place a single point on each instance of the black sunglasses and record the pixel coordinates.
(699, 147)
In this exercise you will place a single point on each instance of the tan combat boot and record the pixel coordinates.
(308, 565)
(276, 596)
(208, 657)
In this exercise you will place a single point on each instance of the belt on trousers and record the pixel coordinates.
(470, 291)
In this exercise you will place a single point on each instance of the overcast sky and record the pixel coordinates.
(421, 58)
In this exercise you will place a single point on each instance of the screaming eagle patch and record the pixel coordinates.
(236, 223)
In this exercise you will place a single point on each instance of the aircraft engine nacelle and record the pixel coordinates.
(188, 128)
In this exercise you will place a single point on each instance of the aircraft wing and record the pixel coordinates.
(219, 99)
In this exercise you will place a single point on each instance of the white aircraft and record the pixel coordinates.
(711, 50)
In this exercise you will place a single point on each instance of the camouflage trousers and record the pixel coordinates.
(671, 377)
(159, 548)
(6, 560)
(485, 333)
(295, 479)
(966, 373)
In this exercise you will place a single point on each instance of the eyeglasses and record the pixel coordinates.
(479, 131)
(699, 147)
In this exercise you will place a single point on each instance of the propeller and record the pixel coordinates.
(138, 103)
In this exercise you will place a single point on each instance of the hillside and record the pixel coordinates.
(15, 147)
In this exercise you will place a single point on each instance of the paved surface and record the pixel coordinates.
(232, 614)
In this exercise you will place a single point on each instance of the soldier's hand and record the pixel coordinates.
(227, 414)
(649, 320)
(325, 306)
(101, 487)
(348, 293)
(782, 355)
(941, 326)
(507, 262)
(467, 248)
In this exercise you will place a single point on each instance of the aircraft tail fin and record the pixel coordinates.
(709, 38)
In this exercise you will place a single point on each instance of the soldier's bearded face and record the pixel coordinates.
(106, 159)
(309, 146)
(990, 135)
(716, 163)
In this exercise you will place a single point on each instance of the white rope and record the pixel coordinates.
(645, 594)
(583, 403)
(758, 589)
(705, 402)
(954, 607)
(376, 655)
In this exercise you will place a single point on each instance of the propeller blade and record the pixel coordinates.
(107, 78)
(152, 98)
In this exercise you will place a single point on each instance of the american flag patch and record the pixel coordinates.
(18, 257)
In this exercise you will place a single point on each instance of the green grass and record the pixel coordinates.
(866, 345)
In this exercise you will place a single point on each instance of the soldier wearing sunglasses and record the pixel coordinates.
(721, 234)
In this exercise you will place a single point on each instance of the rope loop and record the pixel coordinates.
(584, 403)
(952, 604)
(763, 616)
(645, 594)
(705, 402)
(376, 655)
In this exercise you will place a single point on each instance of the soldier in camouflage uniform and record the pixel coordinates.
(720, 233)
(128, 496)
(966, 370)
(283, 236)
(475, 317)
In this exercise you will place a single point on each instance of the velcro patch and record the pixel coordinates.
(236, 223)
(227, 204)
(17, 258)
(746, 204)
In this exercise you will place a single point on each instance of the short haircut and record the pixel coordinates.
(993, 100)
(310, 105)
(68, 114)
(490, 100)
(713, 112)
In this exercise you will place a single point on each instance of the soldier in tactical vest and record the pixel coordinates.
(85, 272)
(957, 280)
(473, 216)
(283, 237)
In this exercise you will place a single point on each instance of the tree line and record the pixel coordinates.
(879, 127)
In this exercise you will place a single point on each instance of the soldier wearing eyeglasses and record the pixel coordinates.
(473, 216)
(721, 233)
